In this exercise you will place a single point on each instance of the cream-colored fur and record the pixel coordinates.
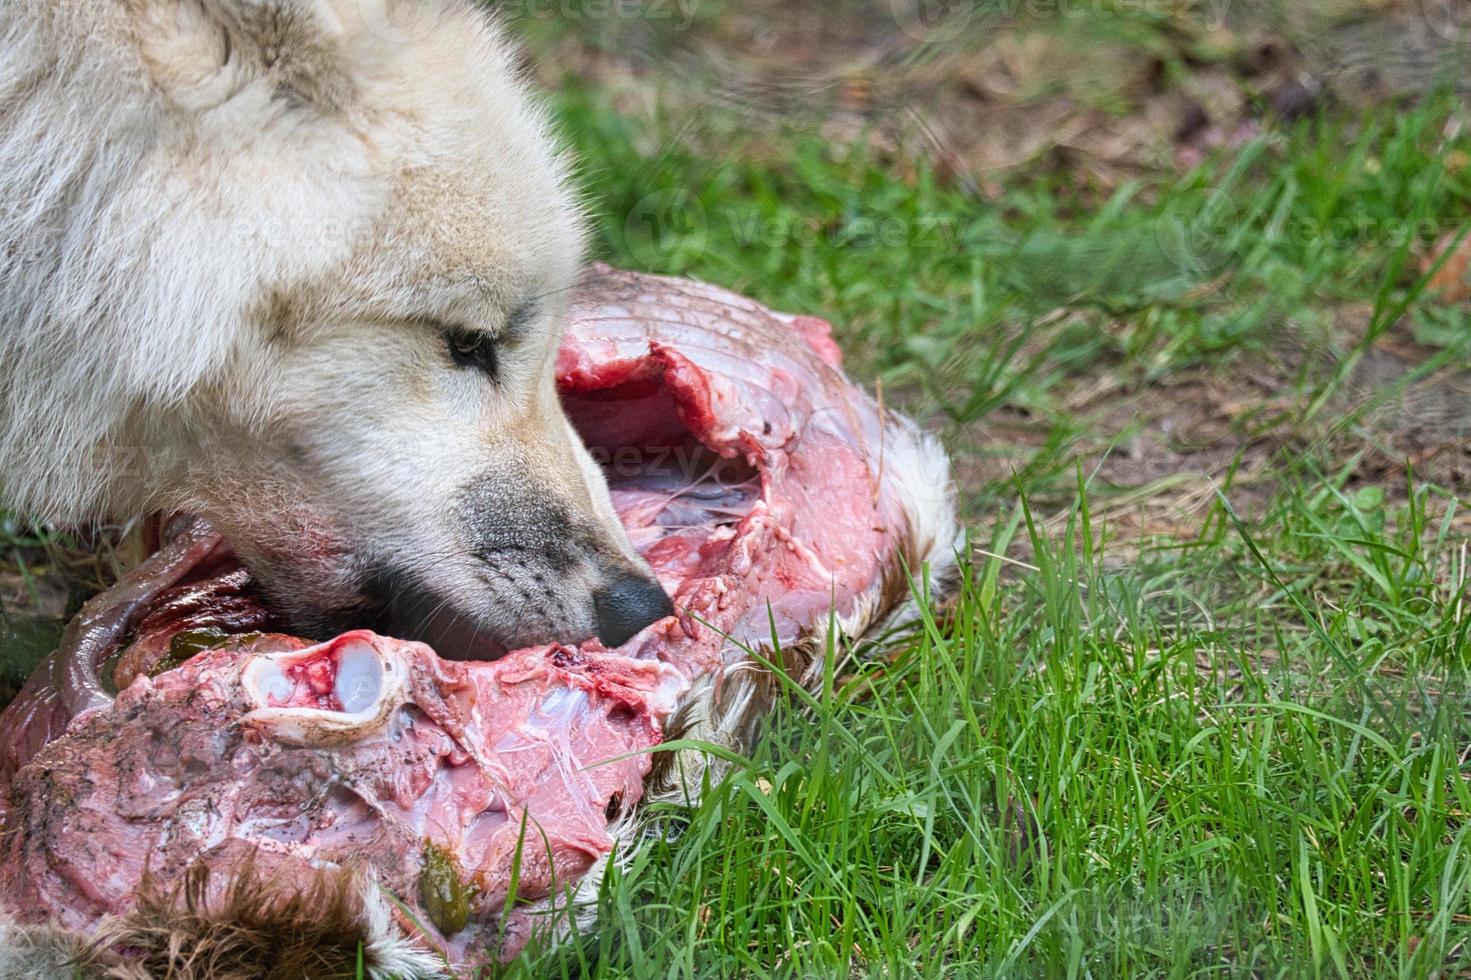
(233, 235)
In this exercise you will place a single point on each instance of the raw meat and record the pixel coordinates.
(775, 501)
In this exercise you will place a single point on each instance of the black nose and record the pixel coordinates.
(626, 605)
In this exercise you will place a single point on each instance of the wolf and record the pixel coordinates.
(299, 267)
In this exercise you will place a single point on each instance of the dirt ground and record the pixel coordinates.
(1102, 93)
(1105, 91)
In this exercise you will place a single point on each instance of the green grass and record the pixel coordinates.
(1090, 772)
(1236, 750)
(24, 639)
(964, 305)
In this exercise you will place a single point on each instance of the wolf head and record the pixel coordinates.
(300, 266)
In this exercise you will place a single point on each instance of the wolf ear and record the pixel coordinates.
(202, 53)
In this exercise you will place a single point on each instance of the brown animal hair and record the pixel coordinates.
(252, 928)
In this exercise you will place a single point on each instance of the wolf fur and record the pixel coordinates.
(241, 243)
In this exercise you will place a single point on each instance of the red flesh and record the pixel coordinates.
(792, 520)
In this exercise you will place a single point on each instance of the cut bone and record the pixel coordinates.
(367, 685)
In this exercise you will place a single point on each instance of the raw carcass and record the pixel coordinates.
(773, 499)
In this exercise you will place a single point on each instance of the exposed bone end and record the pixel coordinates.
(339, 691)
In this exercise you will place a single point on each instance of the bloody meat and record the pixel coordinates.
(777, 503)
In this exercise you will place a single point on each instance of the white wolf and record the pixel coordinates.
(299, 266)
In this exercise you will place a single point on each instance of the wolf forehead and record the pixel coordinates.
(176, 172)
(392, 136)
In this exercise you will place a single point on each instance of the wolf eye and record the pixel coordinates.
(469, 349)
